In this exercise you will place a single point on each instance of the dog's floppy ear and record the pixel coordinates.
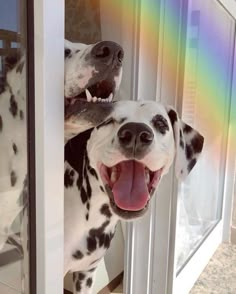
(188, 144)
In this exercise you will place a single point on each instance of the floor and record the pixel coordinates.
(10, 274)
(219, 277)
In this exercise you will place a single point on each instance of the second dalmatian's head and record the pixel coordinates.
(92, 74)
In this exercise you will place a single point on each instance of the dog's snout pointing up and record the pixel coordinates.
(108, 51)
(135, 137)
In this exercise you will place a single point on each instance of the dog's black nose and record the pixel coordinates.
(108, 51)
(135, 136)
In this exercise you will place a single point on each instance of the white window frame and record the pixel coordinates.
(49, 141)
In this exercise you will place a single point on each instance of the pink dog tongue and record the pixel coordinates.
(130, 191)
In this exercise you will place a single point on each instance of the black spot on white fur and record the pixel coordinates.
(189, 152)
(97, 237)
(91, 244)
(15, 149)
(78, 286)
(105, 210)
(191, 164)
(67, 52)
(13, 178)
(69, 178)
(2, 84)
(83, 195)
(160, 124)
(13, 106)
(21, 114)
(197, 143)
(89, 282)
(187, 129)
(1, 123)
(173, 116)
(181, 141)
(81, 276)
(194, 147)
(88, 186)
(76, 159)
(78, 255)
(93, 172)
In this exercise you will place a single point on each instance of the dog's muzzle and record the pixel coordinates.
(130, 183)
(109, 53)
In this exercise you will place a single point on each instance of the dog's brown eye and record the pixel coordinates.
(67, 52)
(160, 123)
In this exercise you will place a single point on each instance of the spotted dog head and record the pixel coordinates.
(135, 147)
(92, 74)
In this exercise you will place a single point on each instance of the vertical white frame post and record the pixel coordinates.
(231, 153)
(190, 273)
(49, 136)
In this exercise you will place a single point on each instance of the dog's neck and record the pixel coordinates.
(95, 201)
(88, 178)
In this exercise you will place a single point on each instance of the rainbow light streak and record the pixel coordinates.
(213, 62)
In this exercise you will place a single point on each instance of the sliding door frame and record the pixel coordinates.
(31, 146)
(184, 281)
(49, 144)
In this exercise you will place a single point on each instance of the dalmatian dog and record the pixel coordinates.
(112, 171)
(90, 70)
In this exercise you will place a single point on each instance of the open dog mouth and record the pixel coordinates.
(130, 185)
(102, 91)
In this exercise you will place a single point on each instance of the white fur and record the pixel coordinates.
(14, 131)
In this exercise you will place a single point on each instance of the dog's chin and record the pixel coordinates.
(122, 213)
(101, 92)
(130, 186)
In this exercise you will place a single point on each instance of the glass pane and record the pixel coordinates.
(13, 149)
(205, 106)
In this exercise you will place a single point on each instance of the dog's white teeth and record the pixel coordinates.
(99, 99)
(88, 95)
(95, 99)
(147, 176)
(114, 175)
(110, 97)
